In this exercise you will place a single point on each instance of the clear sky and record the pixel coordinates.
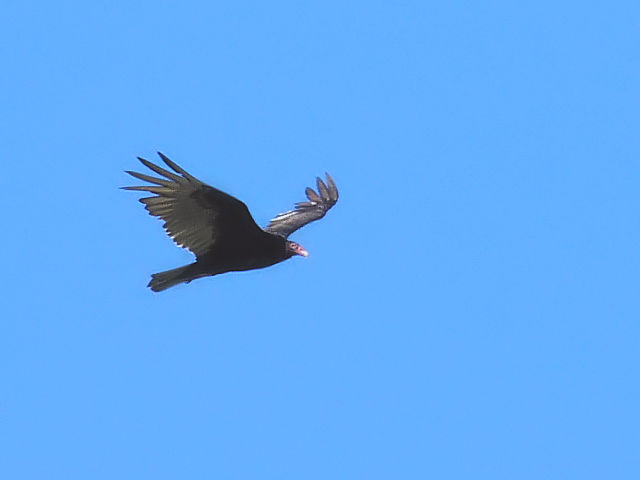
(470, 308)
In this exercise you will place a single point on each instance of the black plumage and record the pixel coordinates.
(218, 228)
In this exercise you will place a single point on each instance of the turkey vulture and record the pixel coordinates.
(218, 228)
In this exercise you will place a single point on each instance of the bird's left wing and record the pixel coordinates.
(319, 203)
(196, 215)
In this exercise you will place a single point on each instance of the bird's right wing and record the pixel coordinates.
(319, 203)
(195, 215)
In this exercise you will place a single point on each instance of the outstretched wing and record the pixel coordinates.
(306, 212)
(196, 216)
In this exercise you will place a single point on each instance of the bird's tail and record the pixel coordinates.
(163, 280)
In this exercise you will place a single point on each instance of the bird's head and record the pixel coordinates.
(294, 249)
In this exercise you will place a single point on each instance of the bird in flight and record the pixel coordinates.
(218, 228)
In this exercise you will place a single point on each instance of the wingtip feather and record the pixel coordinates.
(176, 168)
(312, 195)
(160, 170)
(323, 190)
(333, 189)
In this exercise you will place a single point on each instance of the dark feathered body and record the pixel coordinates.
(247, 254)
(218, 228)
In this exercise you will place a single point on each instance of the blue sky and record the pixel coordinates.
(469, 309)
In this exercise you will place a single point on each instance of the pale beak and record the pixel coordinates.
(303, 252)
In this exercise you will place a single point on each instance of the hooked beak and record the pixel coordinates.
(296, 249)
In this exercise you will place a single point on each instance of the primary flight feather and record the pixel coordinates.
(218, 228)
